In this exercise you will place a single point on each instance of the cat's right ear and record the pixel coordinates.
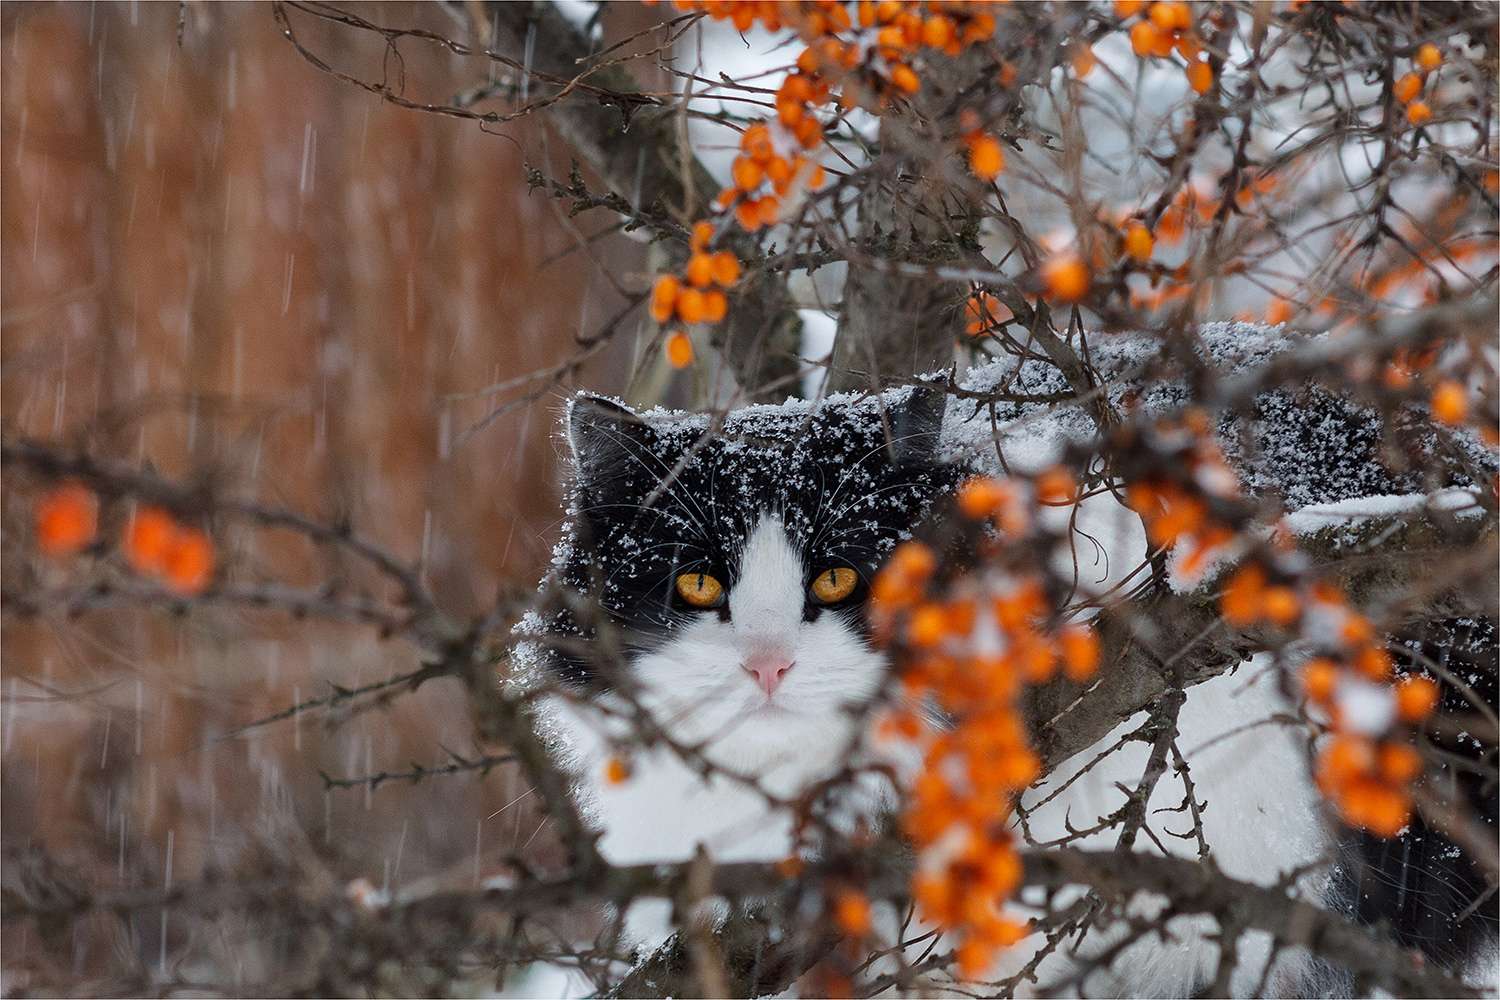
(602, 433)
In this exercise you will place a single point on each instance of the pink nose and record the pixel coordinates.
(768, 669)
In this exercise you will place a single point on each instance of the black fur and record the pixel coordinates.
(1420, 887)
(658, 496)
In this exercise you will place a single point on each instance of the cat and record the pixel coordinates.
(733, 562)
(726, 563)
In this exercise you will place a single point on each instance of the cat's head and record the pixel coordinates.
(734, 561)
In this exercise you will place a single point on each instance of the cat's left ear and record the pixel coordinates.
(916, 422)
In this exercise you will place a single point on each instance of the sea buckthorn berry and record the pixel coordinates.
(67, 519)
(770, 210)
(1429, 58)
(1128, 8)
(928, 625)
(679, 350)
(746, 173)
(703, 233)
(1345, 759)
(937, 31)
(1188, 47)
(715, 306)
(1006, 78)
(979, 497)
(664, 298)
(1280, 606)
(1407, 88)
(189, 562)
(616, 771)
(1056, 486)
(1418, 113)
(986, 158)
(904, 78)
(1243, 600)
(851, 911)
(1375, 663)
(1066, 278)
(1143, 38)
(1082, 61)
(914, 560)
(1080, 652)
(1399, 762)
(1416, 698)
(690, 305)
(726, 268)
(747, 214)
(700, 270)
(1200, 76)
(1450, 402)
(148, 539)
(1320, 677)
(1138, 242)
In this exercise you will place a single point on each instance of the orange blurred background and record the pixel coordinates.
(217, 258)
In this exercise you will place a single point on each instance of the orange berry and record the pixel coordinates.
(978, 497)
(1345, 759)
(1080, 652)
(1320, 677)
(1399, 762)
(1374, 663)
(746, 173)
(887, 11)
(1056, 486)
(1082, 61)
(616, 771)
(1428, 58)
(1407, 88)
(703, 233)
(927, 626)
(904, 78)
(1128, 8)
(149, 536)
(986, 158)
(1200, 76)
(1143, 38)
(851, 911)
(664, 298)
(780, 173)
(189, 562)
(1189, 47)
(770, 210)
(1418, 113)
(726, 268)
(690, 305)
(980, 27)
(1281, 606)
(67, 519)
(1138, 242)
(937, 31)
(914, 560)
(679, 350)
(1066, 278)
(747, 214)
(1416, 698)
(700, 270)
(1243, 599)
(1007, 75)
(715, 306)
(1450, 402)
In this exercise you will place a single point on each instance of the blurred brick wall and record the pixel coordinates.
(215, 257)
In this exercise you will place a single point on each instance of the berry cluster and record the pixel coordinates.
(66, 521)
(1165, 26)
(1410, 86)
(1187, 496)
(698, 295)
(972, 642)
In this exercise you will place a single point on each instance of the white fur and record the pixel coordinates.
(695, 686)
(1262, 820)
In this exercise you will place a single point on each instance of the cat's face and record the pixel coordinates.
(736, 565)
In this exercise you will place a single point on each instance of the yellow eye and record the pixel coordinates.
(834, 584)
(699, 589)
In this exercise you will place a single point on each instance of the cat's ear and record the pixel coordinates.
(601, 432)
(916, 422)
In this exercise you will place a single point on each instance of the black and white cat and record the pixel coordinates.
(733, 564)
(725, 569)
